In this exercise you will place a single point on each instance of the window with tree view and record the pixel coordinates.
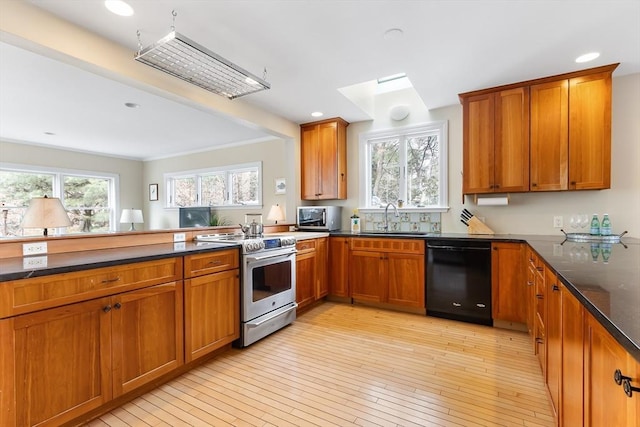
(235, 185)
(407, 164)
(88, 198)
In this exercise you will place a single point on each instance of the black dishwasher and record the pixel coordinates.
(459, 280)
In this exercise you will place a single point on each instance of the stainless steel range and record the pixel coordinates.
(268, 286)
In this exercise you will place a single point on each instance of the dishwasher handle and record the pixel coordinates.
(458, 248)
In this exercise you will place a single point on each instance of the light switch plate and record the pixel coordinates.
(557, 222)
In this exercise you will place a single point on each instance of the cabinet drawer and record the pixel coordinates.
(211, 262)
(407, 246)
(306, 245)
(27, 295)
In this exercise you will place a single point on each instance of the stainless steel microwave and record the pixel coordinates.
(319, 218)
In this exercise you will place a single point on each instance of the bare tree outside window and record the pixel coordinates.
(406, 164)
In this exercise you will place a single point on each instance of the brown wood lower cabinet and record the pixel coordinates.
(605, 402)
(338, 274)
(66, 361)
(311, 271)
(56, 364)
(572, 368)
(553, 330)
(508, 300)
(388, 271)
(212, 312)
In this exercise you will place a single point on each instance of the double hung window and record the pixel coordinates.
(89, 198)
(235, 185)
(405, 164)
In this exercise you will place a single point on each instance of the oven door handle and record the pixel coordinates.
(260, 258)
(276, 314)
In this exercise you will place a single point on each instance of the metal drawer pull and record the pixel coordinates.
(618, 377)
(625, 382)
(106, 309)
(628, 388)
(215, 262)
(457, 304)
(481, 305)
(110, 280)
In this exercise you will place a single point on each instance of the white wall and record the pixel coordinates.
(277, 157)
(129, 171)
(527, 213)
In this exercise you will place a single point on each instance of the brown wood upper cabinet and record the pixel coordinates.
(547, 134)
(496, 142)
(571, 134)
(323, 159)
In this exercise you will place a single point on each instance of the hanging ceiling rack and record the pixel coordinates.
(181, 57)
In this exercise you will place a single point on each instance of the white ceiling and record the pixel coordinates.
(311, 48)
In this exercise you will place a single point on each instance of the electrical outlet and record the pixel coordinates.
(557, 222)
(557, 249)
(179, 237)
(34, 248)
(34, 262)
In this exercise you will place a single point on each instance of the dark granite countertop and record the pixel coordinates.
(610, 290)
(608, 286)
(43, 265)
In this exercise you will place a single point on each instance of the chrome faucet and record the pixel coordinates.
(386, 215)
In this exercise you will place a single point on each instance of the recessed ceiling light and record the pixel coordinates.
(131, 105)
(587, 57)
(118, 7)
(317, 114)
(393, 34)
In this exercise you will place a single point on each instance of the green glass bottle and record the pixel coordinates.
(595, 226)
(605, 227)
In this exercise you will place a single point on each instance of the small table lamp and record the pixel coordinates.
(131, 216)
(45, 212)
(275, 214)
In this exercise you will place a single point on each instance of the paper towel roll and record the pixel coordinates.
(492, 201)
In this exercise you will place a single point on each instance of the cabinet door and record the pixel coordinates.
(61, 361)
(590, 132)
(212, 312)
(305, 278)
(368, 276)
(478, 144)
(322, 261)
(147, 335)
(310, 166)
(531, 299)
(339, 266)
(572, 319)
(406, 285)
(511, 149)
(553, 329)
(606, 404)
(508, 302)
(549, 136)
(327, 164)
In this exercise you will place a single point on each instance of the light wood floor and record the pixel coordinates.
(352, 365)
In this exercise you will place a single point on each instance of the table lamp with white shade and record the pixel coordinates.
(276, 214)
(132, 216)
(45, 212)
